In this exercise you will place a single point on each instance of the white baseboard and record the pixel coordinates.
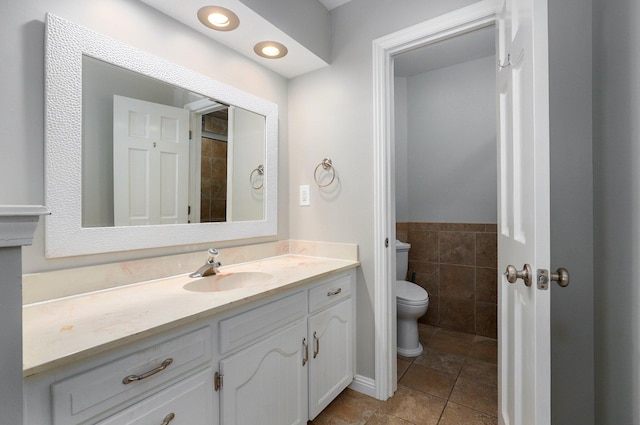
(364, 385)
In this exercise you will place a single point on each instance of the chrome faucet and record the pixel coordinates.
(210, 267)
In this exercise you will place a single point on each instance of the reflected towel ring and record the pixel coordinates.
(260, 171)
(325, 164)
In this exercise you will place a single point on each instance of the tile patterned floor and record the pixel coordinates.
(454, 382)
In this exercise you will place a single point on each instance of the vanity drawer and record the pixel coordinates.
(90, 393)
(187, 402)
(332, 290)
(251, 325)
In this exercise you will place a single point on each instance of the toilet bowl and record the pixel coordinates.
(412, 302)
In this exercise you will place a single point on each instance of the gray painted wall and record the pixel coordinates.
(450, 162)
(401, 146)
(572, 317)
(616, 119)
(134, 23)
(331, 115)
(11, 336)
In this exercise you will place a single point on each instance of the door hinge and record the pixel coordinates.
(190, 135)
(386, 243)
(217, 381)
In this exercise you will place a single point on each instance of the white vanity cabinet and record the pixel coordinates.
(331, 329)
(266, 383)
(277, 360)
(187, 402)
(145, 383)
(303, 360)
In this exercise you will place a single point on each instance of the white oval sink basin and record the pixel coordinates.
(228, 281)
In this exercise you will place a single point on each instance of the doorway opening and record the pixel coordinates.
(475, 17)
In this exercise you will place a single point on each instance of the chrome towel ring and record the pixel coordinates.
(252, 177)
(326, 164)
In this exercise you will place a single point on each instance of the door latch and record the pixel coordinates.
(544, 277)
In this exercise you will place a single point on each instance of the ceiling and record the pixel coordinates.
(253, 29)
(474, 45)
(332, 4)
(301, 60)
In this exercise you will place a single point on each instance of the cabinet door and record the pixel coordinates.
(266, 383)
(331, 358)
(188, 402)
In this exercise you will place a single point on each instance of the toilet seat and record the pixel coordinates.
(409, 293)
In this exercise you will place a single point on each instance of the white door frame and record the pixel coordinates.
(476, 16)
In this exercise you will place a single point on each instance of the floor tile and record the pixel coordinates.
(457, 334)
(382, 418)
(447, 343)
(453, 382)
(480, 372)
(455, 414)
(485, 350)
(476, 396)
(428, 380)
(403, 365)
(370, 401)
(445, 362)
(415, 406)
(348, 410)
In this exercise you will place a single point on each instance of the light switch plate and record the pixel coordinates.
(305, 200)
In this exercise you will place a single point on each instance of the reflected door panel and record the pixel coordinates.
(150, 163)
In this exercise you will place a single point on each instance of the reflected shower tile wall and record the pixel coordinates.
(457, 264)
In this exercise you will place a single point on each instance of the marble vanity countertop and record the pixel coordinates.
(65, 330)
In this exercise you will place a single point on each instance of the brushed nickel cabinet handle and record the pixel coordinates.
(132, 378)
(316, 342)
(168, 419)
(332, 293)
(305, 358)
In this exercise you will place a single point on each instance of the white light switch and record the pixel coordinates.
(304, 195)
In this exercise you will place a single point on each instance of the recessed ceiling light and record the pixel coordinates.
(218, 18)
(270, 49)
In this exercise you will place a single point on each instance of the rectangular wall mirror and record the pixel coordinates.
(143, 153)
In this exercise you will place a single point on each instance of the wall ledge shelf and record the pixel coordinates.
(18, 223)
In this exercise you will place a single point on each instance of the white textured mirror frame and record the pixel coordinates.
(65, 45)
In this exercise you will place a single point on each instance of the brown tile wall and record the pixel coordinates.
(457, 264)
(213, 195)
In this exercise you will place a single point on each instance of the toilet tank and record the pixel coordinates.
(402, 259)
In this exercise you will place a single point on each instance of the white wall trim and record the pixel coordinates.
(476, 16)
(364, 385)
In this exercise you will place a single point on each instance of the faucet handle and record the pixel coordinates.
(213, 253)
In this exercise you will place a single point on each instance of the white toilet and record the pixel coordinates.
(412, 302)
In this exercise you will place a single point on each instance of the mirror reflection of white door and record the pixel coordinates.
(150, 163)
(523, 209)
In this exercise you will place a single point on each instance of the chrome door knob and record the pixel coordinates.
(513, 274)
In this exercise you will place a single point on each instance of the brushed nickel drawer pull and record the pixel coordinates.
(316, 340)
(168, 419)
(336, 292)
(132, 378)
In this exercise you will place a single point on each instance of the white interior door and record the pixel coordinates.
(523, 223)
(150, 163)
